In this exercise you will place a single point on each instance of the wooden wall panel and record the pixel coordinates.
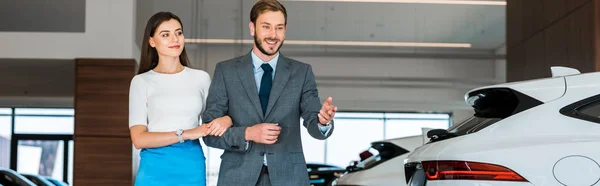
(515, 69)
(514, 16)
(102, 161)
(556, 9)
(103, 150)
(533, 17)
(596, 31)
(553, 32)
(535, 60)
(578, 3)
(580, 39)
(556, 39)
(102, 94)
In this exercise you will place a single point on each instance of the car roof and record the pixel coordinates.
(409, 142)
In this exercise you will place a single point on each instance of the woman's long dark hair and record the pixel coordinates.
(149, 58)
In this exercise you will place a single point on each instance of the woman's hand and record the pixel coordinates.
(195, 133)
(220, 125)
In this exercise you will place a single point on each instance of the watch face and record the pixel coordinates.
(179, 132)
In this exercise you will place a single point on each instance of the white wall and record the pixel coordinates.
(109, 33)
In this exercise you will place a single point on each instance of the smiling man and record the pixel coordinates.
(265, 94)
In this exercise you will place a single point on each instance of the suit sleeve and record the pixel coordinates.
(310, 105)
(217, 106)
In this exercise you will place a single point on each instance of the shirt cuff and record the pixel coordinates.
(324, 129)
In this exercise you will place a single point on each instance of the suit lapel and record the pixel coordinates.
(282, 75)
(245, 71)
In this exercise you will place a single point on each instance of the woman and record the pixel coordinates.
(166, 100)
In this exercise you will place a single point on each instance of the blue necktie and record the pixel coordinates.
(265, 86)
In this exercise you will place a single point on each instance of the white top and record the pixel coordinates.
(167, 102)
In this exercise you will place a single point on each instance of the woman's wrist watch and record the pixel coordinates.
(179, 133)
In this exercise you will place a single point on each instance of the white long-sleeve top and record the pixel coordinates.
(167, 102)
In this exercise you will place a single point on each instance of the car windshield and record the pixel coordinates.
(472, 124)
(378, 153)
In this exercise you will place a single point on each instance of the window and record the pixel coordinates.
(402, 125)
(591, 110)
(314, 149)
(70, 162)
(42, 142)
(213, 162)
(473, 124)
(41, 157)
(5, 136)
(354, 133)
(44, 121)
(587, 109)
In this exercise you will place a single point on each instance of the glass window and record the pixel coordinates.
(5, 136)
(41, 157)
(44, 121)
(70, 170)
(358, 115)
(314, 149)
(354, 132)
(213, 163)
(592, 110)
(5, 111)
(471, 125)
(59, 162)
(419, 116)
(45, 111)
(396, 128)
(350, 137)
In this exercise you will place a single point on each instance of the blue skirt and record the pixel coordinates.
(176, 164)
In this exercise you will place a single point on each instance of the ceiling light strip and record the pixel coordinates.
(337, 43)
(456, 2)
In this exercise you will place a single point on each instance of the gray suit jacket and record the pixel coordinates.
(293, 95)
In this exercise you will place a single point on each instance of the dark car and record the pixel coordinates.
(38, 180)
(11, 178)
(323, 175)
(56, 182)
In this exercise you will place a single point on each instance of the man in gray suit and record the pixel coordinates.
(265, 94)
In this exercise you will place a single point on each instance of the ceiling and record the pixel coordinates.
(42, 16)
(482, 26)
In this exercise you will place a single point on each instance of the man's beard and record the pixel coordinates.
(260, 47)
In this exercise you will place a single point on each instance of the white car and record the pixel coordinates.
(541, 132)
(379, 164)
